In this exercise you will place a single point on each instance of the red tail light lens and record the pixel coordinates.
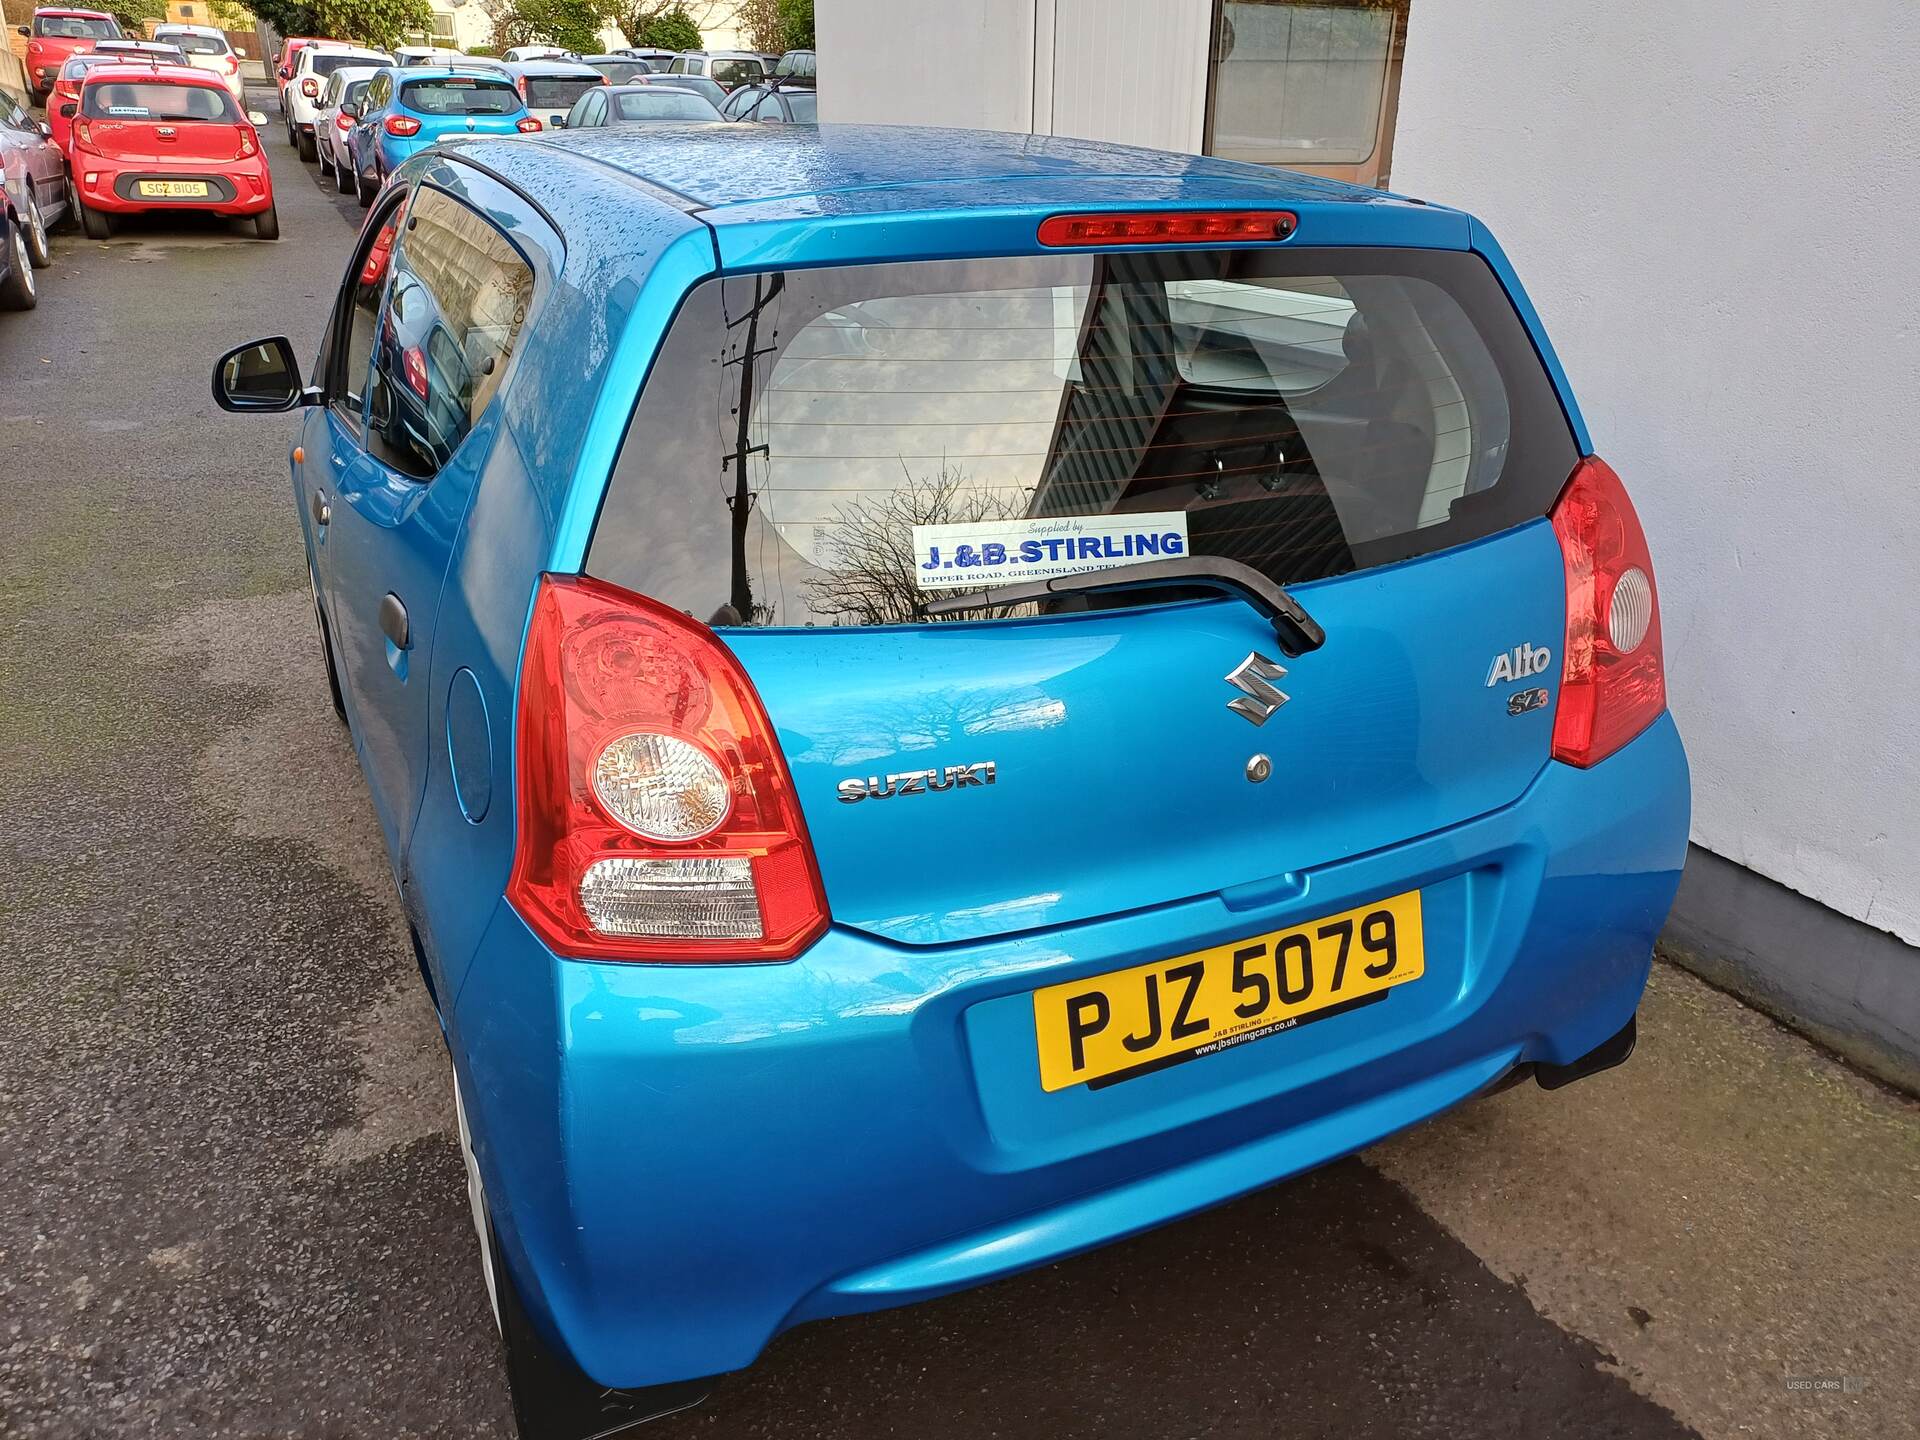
(82, 133)
(402, 125)
(657, 818)
(1203, 227)
(247, 147)
(310, 88)
(1613, 681)
(342, 121)
(528, 126)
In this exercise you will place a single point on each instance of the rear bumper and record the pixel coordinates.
(242, 190)
(685, 1162)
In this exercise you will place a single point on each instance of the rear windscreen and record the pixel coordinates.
(198, 44)
(458, 95)
(74, 27)
(660, 103)
(132, 101)
(558, 92)
(327, 64)
(904, 432)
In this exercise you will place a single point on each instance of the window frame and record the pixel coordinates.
(340, 329)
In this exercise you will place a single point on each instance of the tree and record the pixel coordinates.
(665, 24)
(570, 24)
(760, 22)
(133, 15)
(796, 24)
(381, 23)
(665, 29)
(287, 17)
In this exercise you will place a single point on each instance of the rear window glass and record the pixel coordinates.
(621, 71)
(558, 92)
(736, 72)
(197, 44)
(130, 101)
(910, 431)
(806, 109)
(458, 95)
(326, 64)
(661, 103)
(74, 27)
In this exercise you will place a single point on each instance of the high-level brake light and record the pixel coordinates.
(1204, 227)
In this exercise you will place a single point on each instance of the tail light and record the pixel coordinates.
(657, 818)
(414, 362)
(247, 147)
(233, 64)
(1150, 228)
(1613, 680)
(82, 133)
(310, 88)
(402, 125)
(520, 84)
(528, 126)
(342, 121)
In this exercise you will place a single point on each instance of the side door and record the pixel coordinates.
(448, 324)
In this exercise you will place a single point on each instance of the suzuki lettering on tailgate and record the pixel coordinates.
(1113, 1027)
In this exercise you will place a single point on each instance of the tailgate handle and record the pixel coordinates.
(1299, 632)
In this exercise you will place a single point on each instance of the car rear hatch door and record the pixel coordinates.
(1370, 428)
(170, 142)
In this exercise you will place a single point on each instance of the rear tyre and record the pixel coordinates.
(97, 223)
(266, 225)
(553, 1399)
(17, 291)
(305, 144)
(38, 250)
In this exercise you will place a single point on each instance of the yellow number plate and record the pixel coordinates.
(1108, 1027)
(173, 189)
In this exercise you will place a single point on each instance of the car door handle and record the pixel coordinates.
(393, 620)
(318, 507)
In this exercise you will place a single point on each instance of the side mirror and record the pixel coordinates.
(46, 131)
(559, 122)
(260, 377)
(284, 73)
(26, 29)
(256, 118)
(69, 109)
(350, 110)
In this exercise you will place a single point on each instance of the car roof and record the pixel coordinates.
(329, 47)
(469, 70)
(152, 74)
(802, 171)
(172, 27)
(552, 66)
(73, 14)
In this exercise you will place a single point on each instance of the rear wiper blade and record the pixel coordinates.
(1299, 632)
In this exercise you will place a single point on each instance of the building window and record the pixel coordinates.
(1308, 85)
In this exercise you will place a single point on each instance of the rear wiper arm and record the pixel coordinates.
(1299, 632)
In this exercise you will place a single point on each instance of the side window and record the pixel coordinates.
(696, 67)
(458, 301)
(577, 116)
(596, 107)
(346, 384)
(678, 67)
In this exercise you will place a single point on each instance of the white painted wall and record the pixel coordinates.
(1716, 207)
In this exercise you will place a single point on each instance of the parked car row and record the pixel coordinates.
(374, 110)
(33, 197)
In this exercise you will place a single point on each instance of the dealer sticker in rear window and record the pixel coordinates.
(987, 553)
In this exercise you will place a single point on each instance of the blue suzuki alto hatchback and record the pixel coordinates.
(939, 699)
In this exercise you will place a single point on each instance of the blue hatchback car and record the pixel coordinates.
(939, 699)
(405, 109)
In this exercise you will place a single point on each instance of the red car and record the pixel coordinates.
(165, 137)
(66, 87)
(55, 34)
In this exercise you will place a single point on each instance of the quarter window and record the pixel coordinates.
(454, 313)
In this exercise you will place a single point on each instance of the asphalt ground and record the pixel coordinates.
(230, 1199)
